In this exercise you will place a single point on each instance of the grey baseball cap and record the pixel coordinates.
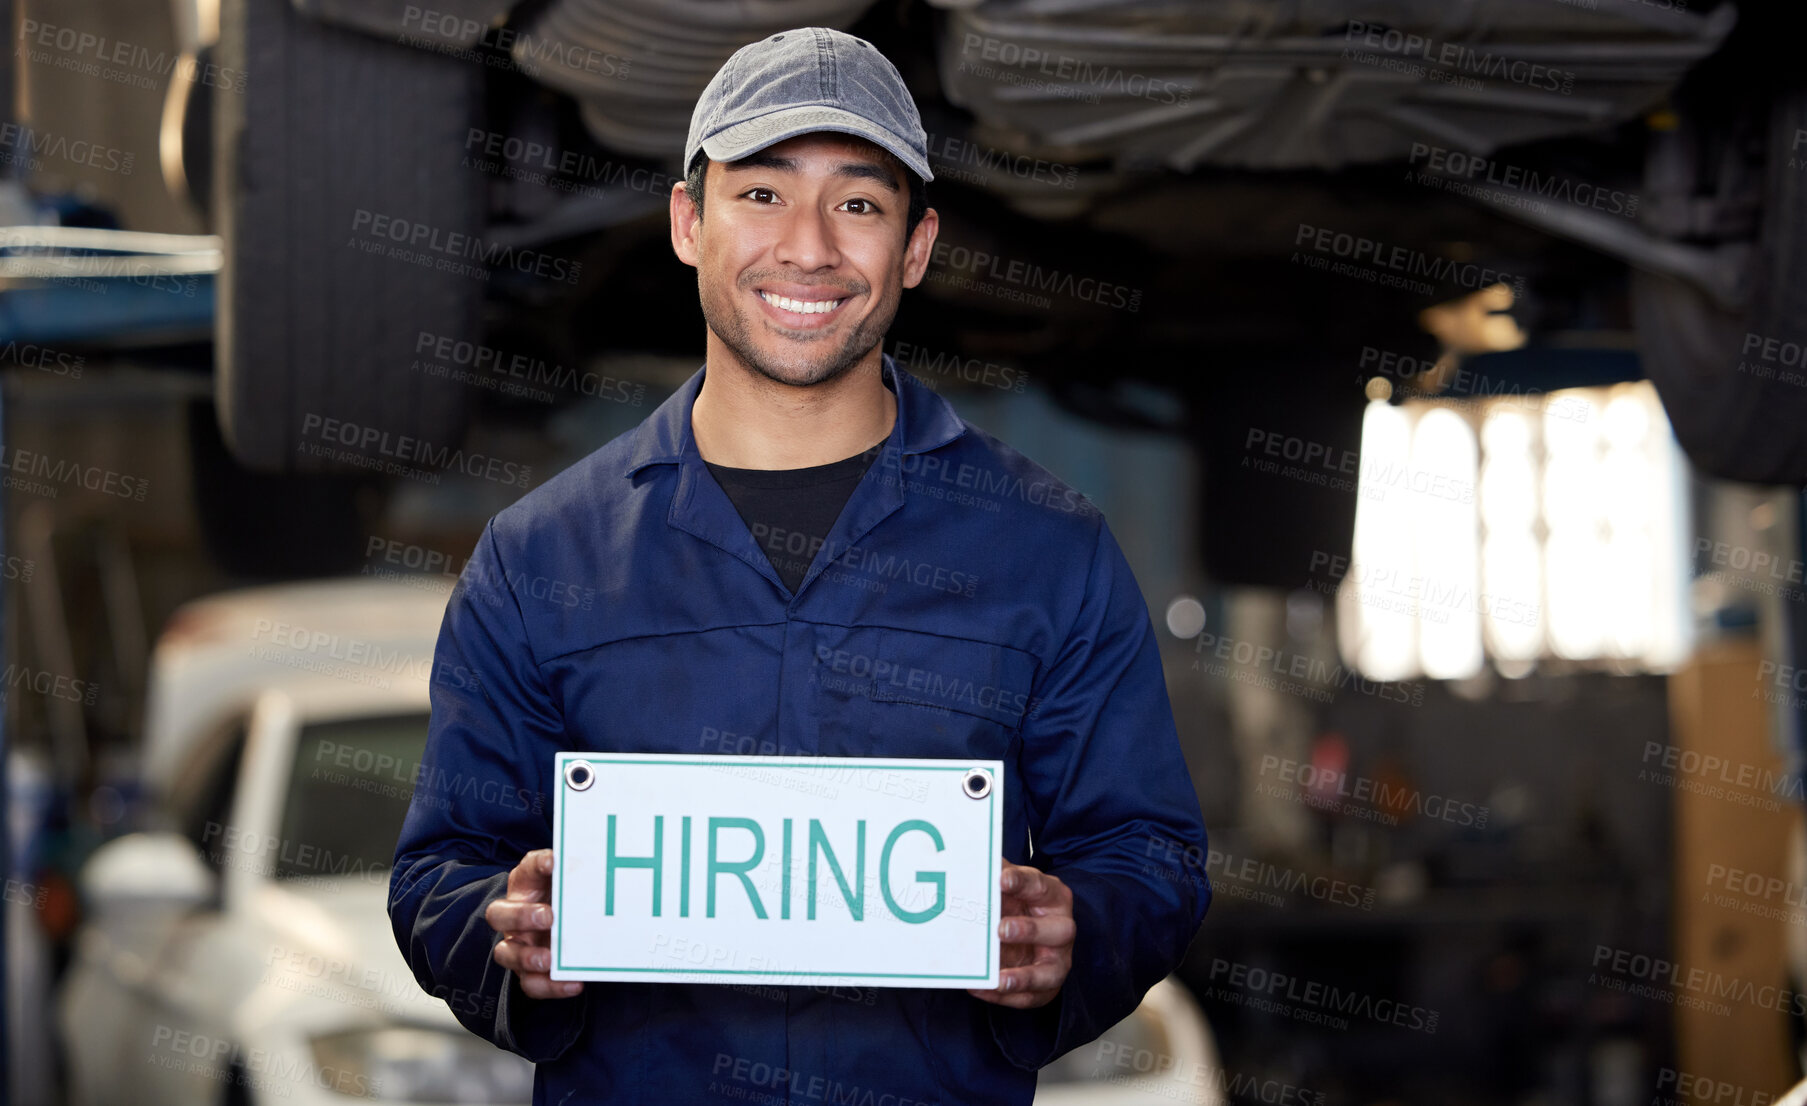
(801, 81)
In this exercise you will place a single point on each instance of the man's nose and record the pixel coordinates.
(808, 240)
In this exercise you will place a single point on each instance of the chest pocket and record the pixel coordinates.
(945, 697)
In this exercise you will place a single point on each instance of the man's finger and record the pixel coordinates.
(1032, 978)
(1027, 1000)
(1016, 1000)
(1053, 929)
(507, 916)
(1035, 889)
(532, 876)
(522, 958)
(1026, 884)
(540, 985)
(531, 964)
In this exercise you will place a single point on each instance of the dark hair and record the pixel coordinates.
(915, 185)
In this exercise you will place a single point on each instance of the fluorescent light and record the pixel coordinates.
(1559, 530)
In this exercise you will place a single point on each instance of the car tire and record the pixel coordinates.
(1738, 414)
(277, 525)
(317, 130)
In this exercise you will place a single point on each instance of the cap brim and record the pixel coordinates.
(753, 135)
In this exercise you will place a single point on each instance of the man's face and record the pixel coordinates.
(801, 258)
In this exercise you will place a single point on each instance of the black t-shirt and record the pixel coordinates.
(790, 511)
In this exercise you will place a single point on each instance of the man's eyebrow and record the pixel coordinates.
(762, 161)
(866, 170)
(859, 170)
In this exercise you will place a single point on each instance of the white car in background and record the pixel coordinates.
(242, 954)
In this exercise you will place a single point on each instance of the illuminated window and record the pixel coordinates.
(1516, 529)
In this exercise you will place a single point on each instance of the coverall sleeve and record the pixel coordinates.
(480, 804)
(1112, 812)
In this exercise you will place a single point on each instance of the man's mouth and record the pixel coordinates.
(801, 307)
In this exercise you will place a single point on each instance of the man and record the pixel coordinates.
(800, 515)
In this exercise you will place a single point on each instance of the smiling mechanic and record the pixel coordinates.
(800, 520)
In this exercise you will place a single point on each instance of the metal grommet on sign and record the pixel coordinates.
(977, 783)
(579, 775)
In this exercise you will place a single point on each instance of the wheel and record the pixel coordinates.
(330, 128)
(277, 525)
(1734, 383)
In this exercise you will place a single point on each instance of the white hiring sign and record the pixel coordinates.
(851, 871)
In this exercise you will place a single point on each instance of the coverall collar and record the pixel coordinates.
(925, 421)
(699, 506)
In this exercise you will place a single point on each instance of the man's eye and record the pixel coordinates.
(761, 195)
(862, 207)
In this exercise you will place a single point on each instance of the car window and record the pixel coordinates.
(348, 793)
(202, 796)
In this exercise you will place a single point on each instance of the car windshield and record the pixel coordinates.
(348, 793)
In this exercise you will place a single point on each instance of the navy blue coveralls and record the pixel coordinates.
(625, 606)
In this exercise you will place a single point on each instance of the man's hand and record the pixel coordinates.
(1037, 930)
(524, 919)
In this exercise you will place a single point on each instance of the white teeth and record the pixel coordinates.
(802, 307)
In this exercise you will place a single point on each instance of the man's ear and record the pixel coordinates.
(920, 247)
(685, 220)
